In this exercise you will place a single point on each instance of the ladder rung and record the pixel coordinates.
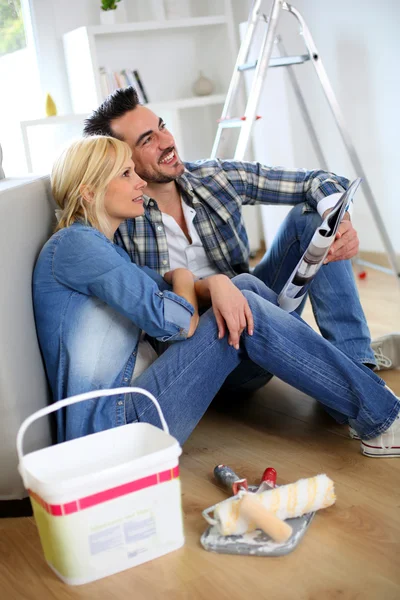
(284, 61)
(235, 122)
(248, 66)
(279, 61)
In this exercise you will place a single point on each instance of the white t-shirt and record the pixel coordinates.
(181, 252)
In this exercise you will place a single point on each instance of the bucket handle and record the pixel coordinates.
(73, 400)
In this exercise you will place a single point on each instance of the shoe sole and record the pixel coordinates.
(379, 452)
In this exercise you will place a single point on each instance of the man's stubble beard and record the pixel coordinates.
(154, 177)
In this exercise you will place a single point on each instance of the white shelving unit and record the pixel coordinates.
(42, 139)
(169, 54)
(57, 131)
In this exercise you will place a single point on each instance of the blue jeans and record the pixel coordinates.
(187, 376)
(333, 295)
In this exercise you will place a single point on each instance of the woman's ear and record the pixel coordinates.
(86, 193)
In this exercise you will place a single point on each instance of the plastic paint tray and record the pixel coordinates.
(255, 543)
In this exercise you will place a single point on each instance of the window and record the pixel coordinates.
(12, 31)
(20, 97)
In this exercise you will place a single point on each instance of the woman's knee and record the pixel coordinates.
(259, 301)
(246, 281)
(253, 284)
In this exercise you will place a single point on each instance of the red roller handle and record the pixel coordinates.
(269, 476)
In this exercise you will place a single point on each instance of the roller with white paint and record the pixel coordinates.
(285, 502)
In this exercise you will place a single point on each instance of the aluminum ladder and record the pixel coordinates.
(246, 122)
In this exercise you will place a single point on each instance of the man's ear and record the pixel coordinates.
(86, 193)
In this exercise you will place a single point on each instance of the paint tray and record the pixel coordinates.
(255, 543)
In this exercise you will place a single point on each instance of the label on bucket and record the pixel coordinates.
(138, 531)
(113, 531)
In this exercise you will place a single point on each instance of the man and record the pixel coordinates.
(193, 219)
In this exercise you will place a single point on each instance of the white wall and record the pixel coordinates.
(20, 101)
(359, 45)
(51, 19)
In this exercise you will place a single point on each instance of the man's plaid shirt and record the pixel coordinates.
(217, 189)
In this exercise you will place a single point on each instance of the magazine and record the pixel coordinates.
(313, 258)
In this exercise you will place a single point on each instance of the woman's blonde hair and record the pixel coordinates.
(85, 168)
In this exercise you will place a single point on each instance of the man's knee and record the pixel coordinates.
(304, 220)
(304, 214)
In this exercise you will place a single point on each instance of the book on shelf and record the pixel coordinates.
(141, 87)
(103, 82)
(114, 80)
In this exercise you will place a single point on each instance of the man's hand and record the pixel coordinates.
(346, 241)
(230, 308)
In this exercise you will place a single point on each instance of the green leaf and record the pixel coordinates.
(109, 4)
(12, 33)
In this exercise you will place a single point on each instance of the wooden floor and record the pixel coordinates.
(351, 551)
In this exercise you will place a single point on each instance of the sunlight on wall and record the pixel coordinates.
(20, 100)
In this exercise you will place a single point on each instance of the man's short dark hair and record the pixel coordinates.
(115, 105)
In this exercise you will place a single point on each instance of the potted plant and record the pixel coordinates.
(112, 11)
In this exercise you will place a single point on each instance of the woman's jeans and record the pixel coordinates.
(188, 375)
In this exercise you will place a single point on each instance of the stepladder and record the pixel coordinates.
(271, 54)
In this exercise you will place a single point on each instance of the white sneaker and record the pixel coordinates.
(387, 351)
(386, 445)
(353, 434)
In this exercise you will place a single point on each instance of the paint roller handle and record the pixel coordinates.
(228, 479)
(269, 476)
(254, 511)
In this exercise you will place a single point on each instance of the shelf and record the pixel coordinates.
(194, 102)
(56, 120)
(168, 54)
(155, 25)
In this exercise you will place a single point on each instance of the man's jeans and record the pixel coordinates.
(188, 375)
(333, 295)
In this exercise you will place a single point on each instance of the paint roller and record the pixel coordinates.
(259, 517)
(249, 507)
(269, 509)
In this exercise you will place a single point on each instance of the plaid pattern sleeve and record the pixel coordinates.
(217, 190)
(255, 183)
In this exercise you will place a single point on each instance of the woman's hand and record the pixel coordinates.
(168, 277)
(230, 307)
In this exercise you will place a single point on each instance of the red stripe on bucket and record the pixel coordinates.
(58, 510)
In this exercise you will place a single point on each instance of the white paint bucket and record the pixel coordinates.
(107, 501)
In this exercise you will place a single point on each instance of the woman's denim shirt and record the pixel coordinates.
(91, 304)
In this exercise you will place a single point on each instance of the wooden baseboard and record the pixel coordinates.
(378, 258)
(15, 508)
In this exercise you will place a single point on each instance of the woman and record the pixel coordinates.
(92, 306)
